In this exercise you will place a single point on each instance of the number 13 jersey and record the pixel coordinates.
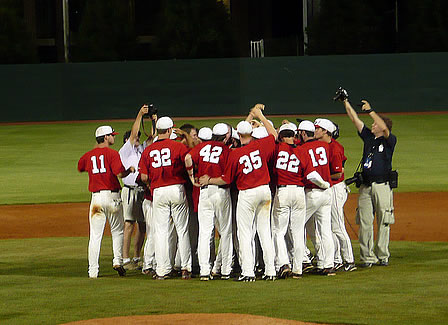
(249, 164)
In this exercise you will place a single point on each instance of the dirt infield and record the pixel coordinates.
(419, 217)
(173, 319)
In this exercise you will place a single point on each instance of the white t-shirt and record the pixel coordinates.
(130, 156)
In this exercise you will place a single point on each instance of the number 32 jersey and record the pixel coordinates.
(163, 162)
(249, 164)
(103, 166)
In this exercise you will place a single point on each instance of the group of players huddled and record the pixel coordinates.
(264, 190)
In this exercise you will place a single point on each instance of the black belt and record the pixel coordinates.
(280, 186)
(113, 191)
(131, 187)
(368, 180)
(206, 186)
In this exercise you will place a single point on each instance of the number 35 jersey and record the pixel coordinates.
(248, 165)
(103, 166)
(164, 163)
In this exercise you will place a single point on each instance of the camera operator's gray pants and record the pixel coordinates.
(377, 198)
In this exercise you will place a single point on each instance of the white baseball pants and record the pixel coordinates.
(215, 209)
(343, 251)
(253, 216)
(318, 205)
(105, 205)
(149, 250)
(289, 213)
(170, 207)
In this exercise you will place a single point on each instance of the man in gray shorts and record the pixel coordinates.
(132, 194)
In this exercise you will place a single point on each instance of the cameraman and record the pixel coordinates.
(375, 193)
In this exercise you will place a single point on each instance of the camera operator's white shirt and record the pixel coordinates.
(130, 156)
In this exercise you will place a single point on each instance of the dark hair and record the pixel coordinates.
(100, 139)
(286, 134)
(187, 127)
(127, 135)
(218, 138)
(387, 121)
(309, 133)
(162, 131)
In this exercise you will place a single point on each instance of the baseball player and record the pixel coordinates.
(103, 165)
(292, 165)
(132, 194)
(248, 165)
(343, 258)
(318, 199)
(210, 157)
(162, 165)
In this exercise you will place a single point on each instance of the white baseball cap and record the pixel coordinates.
(260, 132)
(235, 134)
(325, 124)
(164, 123)
(244, 127)
(288, 126)
(220, 129)
(205, 133)
(306, 126)
(104, 130)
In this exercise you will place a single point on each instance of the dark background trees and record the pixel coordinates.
(104, 30)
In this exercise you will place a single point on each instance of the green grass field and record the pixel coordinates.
(39, 161)
(44, 281)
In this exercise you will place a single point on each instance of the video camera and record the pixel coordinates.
(357, 178)
(152, 110)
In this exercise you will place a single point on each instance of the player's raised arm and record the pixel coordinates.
(256, 111)
(376, 118)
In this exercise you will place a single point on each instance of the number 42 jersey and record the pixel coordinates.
(249, 164)
(103, 166)
(210, 157)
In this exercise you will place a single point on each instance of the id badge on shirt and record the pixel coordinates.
(368, 162)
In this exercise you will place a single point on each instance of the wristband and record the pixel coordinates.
(369, 111)
(189, 168)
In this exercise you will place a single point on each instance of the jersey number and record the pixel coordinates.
(210, 154)
(254, 162)
(95, 169)
(322, 155)
(160, 158)
(288, 162)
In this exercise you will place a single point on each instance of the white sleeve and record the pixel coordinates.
(316, 179)
(125, 152)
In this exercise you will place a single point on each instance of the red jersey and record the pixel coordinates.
(319, 153)
(163, 162)
(103, 166)
(337, 150)
(292, 164)
(210, 157)
(249, 164)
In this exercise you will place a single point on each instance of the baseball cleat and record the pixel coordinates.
(129, 266)
(186, 275)
(307, 267)
(225, 277)
(296, 275)
(120, 269)
(243, 278)
(149, 272)
(349, 267)
(329, 271)
(216, 274)
(382, 263)
(366, 265)
(205, 277)
(284, 271)
(338, 267)
(269, 277)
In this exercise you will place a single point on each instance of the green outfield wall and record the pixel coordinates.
(212, 87)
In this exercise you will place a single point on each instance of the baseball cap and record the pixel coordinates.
(288, 126)
(306, 126)
(260, 132)
(220, 129)
(104, 130)
(205, 133)
(164, 123)
(235, 134)
(244, 127)
(325, 124)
